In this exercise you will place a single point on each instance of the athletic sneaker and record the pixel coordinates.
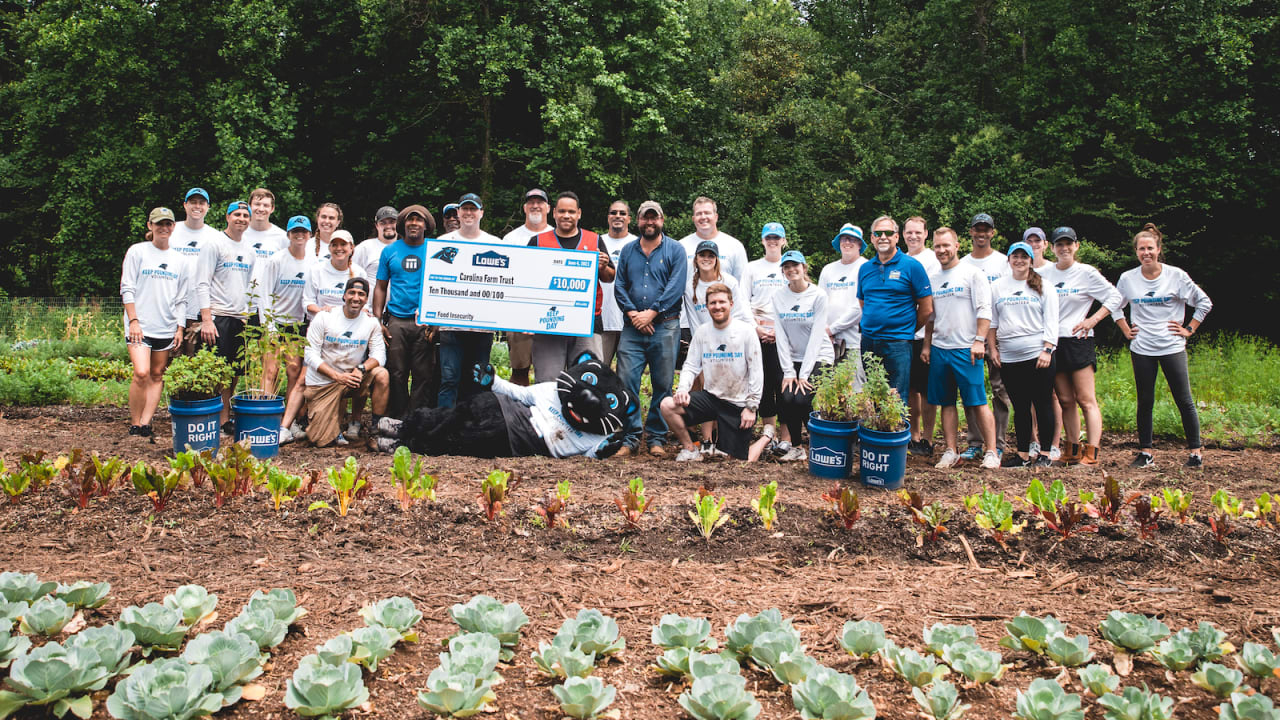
(286, 436)
(1142, 459)
(1014, 461)
(782, 447)
(340, 440)
(707, 447)
(135, 430)
(1034, 450)
(353, 431)
(689, 455)
(913, 447)
(973, 452)
(1055, 453)
(794, 454)
(387, 426)
(1195, 461)
(296, 429)
(926, 448)
(949, 460)
(991, 460)
(1040, 460)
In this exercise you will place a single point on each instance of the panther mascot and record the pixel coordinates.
(584, 412)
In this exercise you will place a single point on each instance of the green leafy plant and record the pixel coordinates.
(562, 661)
(673, 662)
(235, 472)
(1218, 679)
(1227, 507)
(706, 513)
(54, 675)
(978, 665)
(1030, 633)
(1067, 651)
(1046, 700)
(632, 503)
(719, 697)
(793, 667)
(46, 616)
(461, 695)
(552, 504)
(485, 614)
(154, 627)
(283, 486)
(1175, 653)
(108, 473)
(1131, 631)
(675, 631)
(941, 702)
(1145, 514)
(493, 492)
(1057, 512)
(322, 690)
(475, 653)
(12, 646)
(939, 636)
(1263, 508)
(766, 505)
(336, 650)
(931, 518)
(260, 625)
(769, 647)
(878, 405)
(409, 480)
(918, 670)
(394, 613)
(261, 340)
(830, 695)
(347, 482)
(112, 644)
(157, 486)
(1112, 501)
(834, 396)
(1137, 704)
(1098, 679)
(845, 506)
(24, 587)
(193, 601)
(591, 632)
(84, 594)
(708, 664)
(198, 377)
(742, 633)
(282, 602)
(1248, 707)
(233, 658)
(583, 698)
(78, 477)
(372, 644)
(192, 465)
(1259, 661)
(13, 484)
(39, 472)
(863, 638)
(12, 611)
(993, 513)
(1173, 500)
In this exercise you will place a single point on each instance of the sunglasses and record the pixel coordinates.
(884, 233)
(619, 212)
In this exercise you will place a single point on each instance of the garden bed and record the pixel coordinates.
(808, 567)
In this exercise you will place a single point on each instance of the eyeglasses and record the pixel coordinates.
(884, 233)
(619, 212)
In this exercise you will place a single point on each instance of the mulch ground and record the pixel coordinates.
(809, 566)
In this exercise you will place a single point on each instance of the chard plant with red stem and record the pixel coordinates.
(1058, 513)
(993, 513)
(78, 477)
(156, 485)
(1145, 514)
(39, 471)
(493, 492)
(1174, 501)
(1111, 501)
(553, 503)
(632, 503)
(109, 473)
(845, 506)
(1228, 506)
(931, 518)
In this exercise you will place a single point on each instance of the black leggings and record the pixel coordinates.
(795, 405)
(1030, 387)
(1175, 373)
(769, 397)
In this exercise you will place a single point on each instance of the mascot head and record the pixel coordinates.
(593, 398)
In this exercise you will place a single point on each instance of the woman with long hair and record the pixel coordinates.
(1157, 328)
(1039, 242)
(762, 280)
(327, 278)
(284, 310)
(153, 287)
(804, 348)
(328, 221)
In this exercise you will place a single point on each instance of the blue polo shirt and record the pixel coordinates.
(401, 265)
(652, 282)
(888, 292)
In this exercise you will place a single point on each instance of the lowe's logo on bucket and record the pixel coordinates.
(261, 436)
(827, 457)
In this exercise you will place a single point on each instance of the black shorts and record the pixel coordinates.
(919, 369)
(730, 438)
(230, 341)
(1075, 354)
(157, 344)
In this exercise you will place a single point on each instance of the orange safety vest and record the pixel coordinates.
(587, 241)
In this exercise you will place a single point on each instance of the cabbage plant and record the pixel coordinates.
(918, 670)
(673, 662)
(706, 664)
(591, 632)
(768, 647)
(261, 625)
(1067, 651)
(1248, 707)
(281, 601)
(941, 702)
(154, 627)
(24, 587)
(460, 696)
(559, 661)
(336, 650)
(863, 638)
(395, 613)
(1175, 653)
(373, 644)
(54, 675)
(1218, 679)
(743, 631)
(941, 635)
(193, 601)
(1098, 679)
(1046, 700)
(475, 653)
(485, 614)
(46, 616)
(167, 689)
(11, 646)
(318, 689)
(719, 697)
(1137, 704)
(84, 594)
(830, 695)
(583, 698)
(1208, 642)
(1258, 661)
(1030, 633)
(1132, 632)
(233, 658)
(675, 631)
(978, 665)
(13, 610)
(112, 644)
(793, 667)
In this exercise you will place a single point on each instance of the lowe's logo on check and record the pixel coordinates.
(490, 259)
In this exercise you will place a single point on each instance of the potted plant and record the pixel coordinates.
(257, 411)
(882, 428)
(833, 424)
(195, 399)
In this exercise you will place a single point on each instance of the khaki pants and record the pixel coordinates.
(324, 404)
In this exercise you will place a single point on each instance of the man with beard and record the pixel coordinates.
(398, 292)
(384, 233)
(649, 287)
(619, 221)
(520, 345)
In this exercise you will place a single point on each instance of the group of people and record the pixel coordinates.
(751, 337)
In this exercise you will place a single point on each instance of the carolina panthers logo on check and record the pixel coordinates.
(552, 319)
(446, 254)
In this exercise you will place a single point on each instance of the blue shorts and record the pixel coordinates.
(950, 370)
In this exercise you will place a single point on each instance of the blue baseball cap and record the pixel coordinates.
(793, 256)
(1026, 234)
(773, 228)
(1024, 247)
(852, 230)
(451, 206)
(471, 198)
(299, 221)
(196, 191)
(707, 246)
(238, 205)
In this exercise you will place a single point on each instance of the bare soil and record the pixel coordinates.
(809, 566)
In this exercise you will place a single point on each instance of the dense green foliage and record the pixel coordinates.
(818, 112)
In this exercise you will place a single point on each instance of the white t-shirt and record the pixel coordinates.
(189, 242)
(343, 343)
(696, 312)
(521, 236)
(839, 280)
(223, 276)
(319, 249)
(730, 362)
(733, 257)
(155, 281)
(284, 279)
(993, 266)
(543, 401)
(802, 330)
(367, 254)
(326, 285)
(1078, 286)
(929, 260)
(610, 313)
(961, 297)
(1025, 321)
(265, 243)
(1153, 304)
(762, 279)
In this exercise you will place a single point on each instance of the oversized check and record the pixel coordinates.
(484, 286)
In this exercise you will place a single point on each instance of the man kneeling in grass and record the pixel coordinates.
(345, 356)
(726, 352)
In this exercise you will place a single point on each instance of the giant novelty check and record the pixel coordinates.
(483, 286)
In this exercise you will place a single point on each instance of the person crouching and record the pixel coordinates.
(344, 357)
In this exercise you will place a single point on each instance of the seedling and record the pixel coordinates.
(1228, 506)
(13, 484)
(283, 486)
(931, 518)
(108, 472)
(347, 482)
(38, 470)
(766, 506)
(844, 504)
(1111, 500)
(995, 515)
(632, 503)
(493, 492)
(1263, 507)
(1175, 501)
(1144, 514)
(78, 476)
(553, 503)
(154, 484)
(411, 483)
(193, 464)
(1060, 514)
(706, 515)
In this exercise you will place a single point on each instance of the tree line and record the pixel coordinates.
(1099, 115)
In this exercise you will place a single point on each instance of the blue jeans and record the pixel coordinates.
(459, 352)
(658, 351)
(896, 356)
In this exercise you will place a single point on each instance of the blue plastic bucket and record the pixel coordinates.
(831, 447)
(259, 420)
(883, 457)
(195, 423)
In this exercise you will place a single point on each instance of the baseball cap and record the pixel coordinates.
(849, 229)
(982, 219)
(472, 198)
(298, 221)
(537, 193)
(196, 191)
(386, 212)
(238, 205)
(353, 281)
(1024, 247)
(342, 235)
(1026, 234)
(161, 213)
(648, 205)
(447, 208)
(1062, 233)
(773, 228)
(706, 245)
(793, 256)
